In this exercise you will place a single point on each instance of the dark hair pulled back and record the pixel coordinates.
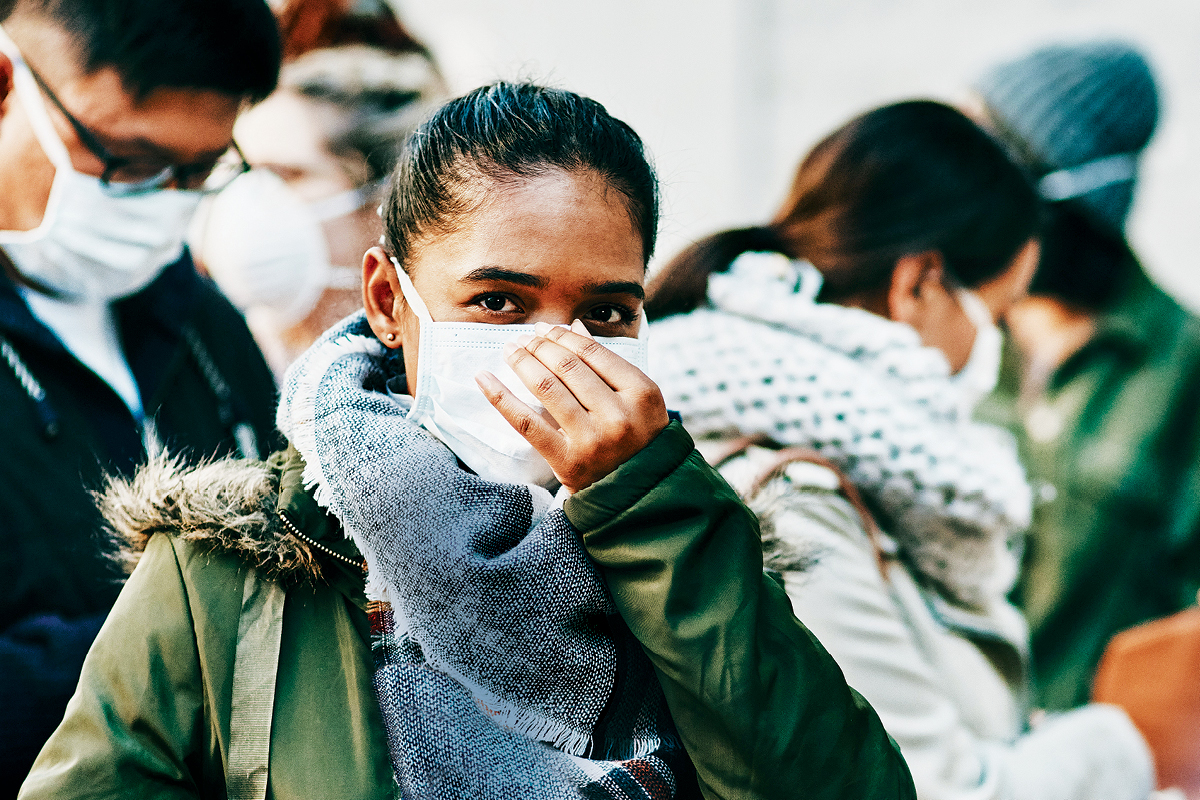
(1083, 263)
(902, 179)
(505, 132)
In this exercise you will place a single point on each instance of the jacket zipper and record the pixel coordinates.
(360, 564)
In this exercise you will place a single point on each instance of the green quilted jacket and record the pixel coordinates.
(763, 710)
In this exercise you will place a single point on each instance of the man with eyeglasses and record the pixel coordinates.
(117, 118)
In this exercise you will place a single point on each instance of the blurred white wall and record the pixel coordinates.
(729, 94)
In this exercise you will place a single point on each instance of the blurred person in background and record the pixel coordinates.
(1102, 388)
(396, 604)
(829, 362)
(285, 240)
(117, 116)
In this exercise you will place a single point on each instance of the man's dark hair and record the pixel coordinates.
(227, 46)
(508, 132)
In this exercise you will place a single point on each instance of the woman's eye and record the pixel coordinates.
(497, 303)
(610, 315)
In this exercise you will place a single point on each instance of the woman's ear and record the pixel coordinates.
(914, 277)
(382, 297)
(6, 80)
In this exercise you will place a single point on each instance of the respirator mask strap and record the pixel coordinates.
(343, 203)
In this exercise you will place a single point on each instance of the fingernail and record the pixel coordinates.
(542, 328)
(523, 340)
(510, 348)
(581, 329)
(488, 381)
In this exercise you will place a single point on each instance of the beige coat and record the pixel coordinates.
(948, 683)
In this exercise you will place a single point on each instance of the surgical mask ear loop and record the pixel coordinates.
(410, 293)
(35, 106)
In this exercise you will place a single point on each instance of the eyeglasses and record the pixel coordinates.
(126, 176)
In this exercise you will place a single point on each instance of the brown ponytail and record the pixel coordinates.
(682, 285)
(903, 179)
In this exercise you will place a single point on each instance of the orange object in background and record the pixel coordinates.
(1153, 672)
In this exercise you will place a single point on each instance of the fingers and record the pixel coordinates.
(544, 437)
(615, 371)
(542, 381)
(604, 409)
(585, 386)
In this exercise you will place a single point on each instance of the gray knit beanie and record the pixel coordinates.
(1078, 116)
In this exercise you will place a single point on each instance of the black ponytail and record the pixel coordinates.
(505, 132)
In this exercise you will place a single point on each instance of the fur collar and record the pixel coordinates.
(230, 506)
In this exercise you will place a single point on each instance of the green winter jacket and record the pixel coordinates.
(1112, 447)
(763, 709)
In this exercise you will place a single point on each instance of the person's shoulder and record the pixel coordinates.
(1155, 312)
(1173, 332)
(226, 508)
(801, 507)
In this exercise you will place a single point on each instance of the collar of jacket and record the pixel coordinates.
(305, 520)
(1143, 318)
(169, 301)
(258, 512)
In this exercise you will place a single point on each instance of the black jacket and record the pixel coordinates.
(206, 386)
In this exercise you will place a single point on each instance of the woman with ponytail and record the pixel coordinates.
(489, 565)
(829, 362)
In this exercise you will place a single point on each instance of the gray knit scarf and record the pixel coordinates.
(503, 669)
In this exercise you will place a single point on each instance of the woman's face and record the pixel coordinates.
(1010, 287)
(552, 248)
(920, 297)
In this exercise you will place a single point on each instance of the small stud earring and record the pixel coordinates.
(391, 337)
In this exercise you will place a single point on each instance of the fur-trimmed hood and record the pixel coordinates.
(231, 506)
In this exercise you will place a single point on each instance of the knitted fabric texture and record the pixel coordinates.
(1067, 105)
(498, 672)
(765, 359)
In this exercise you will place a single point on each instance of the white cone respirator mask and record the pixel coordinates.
(91, 245)
(266, 248)
(450, 405)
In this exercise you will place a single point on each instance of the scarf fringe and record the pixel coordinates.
(296, 416)
(507, 715)
(575, 743)
(524, 721)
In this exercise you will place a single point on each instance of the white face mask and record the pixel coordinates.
(266, 248)
(979, 375)
(90, 245)
(450, 405)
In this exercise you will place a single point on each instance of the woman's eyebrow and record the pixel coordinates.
(506, 275)
(617, 287)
